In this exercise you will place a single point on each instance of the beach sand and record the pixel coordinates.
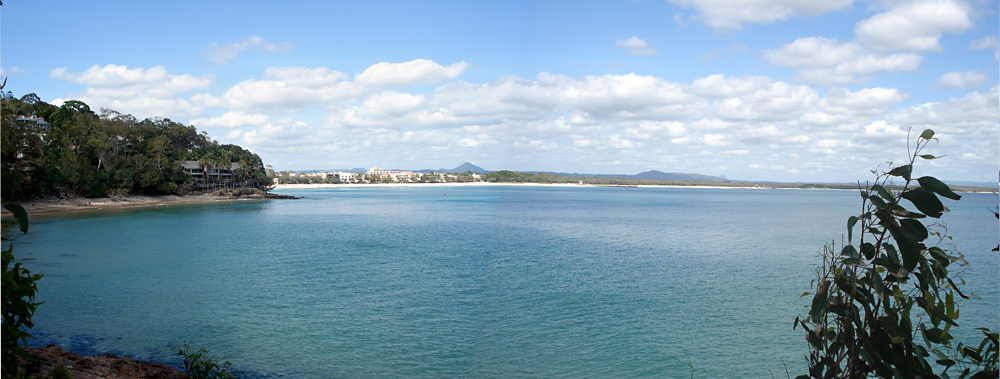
(466, 184)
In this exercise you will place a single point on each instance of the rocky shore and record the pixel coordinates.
(107, 366)
(80, 204)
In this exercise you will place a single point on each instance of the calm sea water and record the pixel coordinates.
(493, 282)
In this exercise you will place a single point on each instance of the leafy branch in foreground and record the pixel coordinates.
(19, 288)
(873, 298)
(198, 365)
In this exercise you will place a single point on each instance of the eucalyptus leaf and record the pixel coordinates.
(19, 214)
(925, 201)
(903, 171)
(883, 192)
(927, 134)
(853, 220)
(934, 185)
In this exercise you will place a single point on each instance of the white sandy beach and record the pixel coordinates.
(476, 184)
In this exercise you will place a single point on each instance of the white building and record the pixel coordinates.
(345, 176)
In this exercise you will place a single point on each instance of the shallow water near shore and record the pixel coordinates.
(491, 282)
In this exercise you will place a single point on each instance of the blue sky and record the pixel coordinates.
(786, 90)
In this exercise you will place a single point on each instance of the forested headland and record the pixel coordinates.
(70, 150)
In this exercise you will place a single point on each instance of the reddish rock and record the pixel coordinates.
(107, 366)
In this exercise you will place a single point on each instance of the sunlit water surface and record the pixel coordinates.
(481, 282)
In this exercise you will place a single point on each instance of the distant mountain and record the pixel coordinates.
(460, 169)
(659, 175)
(469, 167)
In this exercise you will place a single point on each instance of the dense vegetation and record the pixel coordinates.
(885, 304)
(19, 289)
(82, 153)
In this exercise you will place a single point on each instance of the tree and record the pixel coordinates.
(873, 296)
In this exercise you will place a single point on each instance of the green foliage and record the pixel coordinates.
(198, 365)
(19, 288)
(885, 304)
(83, 153)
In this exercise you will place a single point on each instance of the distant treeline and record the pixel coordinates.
(523, 177)
(77, 152)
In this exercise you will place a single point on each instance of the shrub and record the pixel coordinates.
(861, 321)
(198, 365)
(19, 289)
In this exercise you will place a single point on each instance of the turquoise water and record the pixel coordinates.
(491, 282)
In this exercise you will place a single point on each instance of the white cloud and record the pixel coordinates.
(401, 75)
(864, 102)
(655, 130)
(914, 26)
(718, 85)
(222, 54)
(284, 133)
(778, 101)
(470, 142)
(960, 80)
(724, 15)
(637, 46)
(986, 43)
(155, 79)
(813, 52)
(232, 119)
(830, 62)
(143, 92)
(10, 70)
(974, 114)
(286, 89)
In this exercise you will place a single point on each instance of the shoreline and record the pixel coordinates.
(575, 185)
(54, 206)
(482, 184)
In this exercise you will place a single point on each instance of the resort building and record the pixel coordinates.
(36, 124)
(346, 176)
(395, 175)
(201, 172)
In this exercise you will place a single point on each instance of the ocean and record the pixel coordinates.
(470, 282)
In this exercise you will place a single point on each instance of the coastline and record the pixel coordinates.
(53, 206)
(958, 189)
(477, 184)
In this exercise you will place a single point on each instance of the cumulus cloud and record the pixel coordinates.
(232, 119)
(723, 15)
(914, 26)
(155, 79)
(284, 133)
(225, 53)
(637, 46)
(831, 62)
(401, 75)
(970, 115)
(778, 101)
(718, 85)
(959, 80)
(149, 92)
(986, 43)
(711, 122)
(864, 102)
(286, 89)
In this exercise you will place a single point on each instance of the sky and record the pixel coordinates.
(765, 90)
